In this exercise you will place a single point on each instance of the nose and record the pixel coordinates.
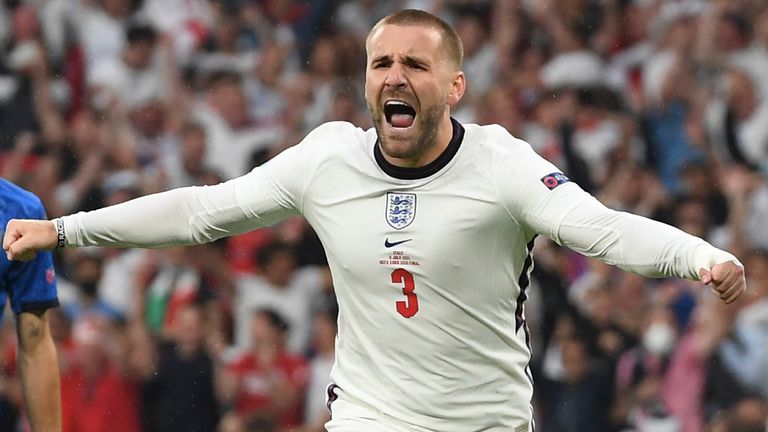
(395, 77)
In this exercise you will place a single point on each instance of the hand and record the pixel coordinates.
(24, 238)
(727, 280)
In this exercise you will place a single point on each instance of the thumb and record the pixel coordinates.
(705, 276)
(10, 236)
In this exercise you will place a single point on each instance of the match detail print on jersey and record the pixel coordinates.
(401, 209)
(554, 180)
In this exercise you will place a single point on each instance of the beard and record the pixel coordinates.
(427, 122)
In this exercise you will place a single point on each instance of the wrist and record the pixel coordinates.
(61, 237)
(705, 256)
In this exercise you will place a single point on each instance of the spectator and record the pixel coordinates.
(580, 401)
(179, 388)
(22, 66)
(570, 27)
(266, 379)
(182, 162)
(316, 412)
(187, 23)
(745, 353)
(267, 101)
(101, 390)
(167, 283)
(232, 136)
(481, 56)
(100, 27)
(282, 288)
(131, 78)
(737, 117)
(224, 49)
(80, 295)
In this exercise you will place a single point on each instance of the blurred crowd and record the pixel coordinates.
(657, 107)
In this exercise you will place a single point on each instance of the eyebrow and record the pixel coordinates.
(381, 58)
(407, 59)
(411, 60)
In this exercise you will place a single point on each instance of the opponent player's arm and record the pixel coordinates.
(39, 371)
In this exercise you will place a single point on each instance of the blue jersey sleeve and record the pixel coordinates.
(29, 285)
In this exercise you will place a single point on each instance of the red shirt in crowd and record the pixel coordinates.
(108, 404)
(257, 380)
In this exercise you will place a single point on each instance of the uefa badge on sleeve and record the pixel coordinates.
(401, 209)
(554, 180)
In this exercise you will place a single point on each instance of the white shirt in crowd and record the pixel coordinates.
(292, 302)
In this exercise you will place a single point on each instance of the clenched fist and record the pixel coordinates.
(726, 279)
(24, 238)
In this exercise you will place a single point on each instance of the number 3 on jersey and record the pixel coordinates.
(410, 305)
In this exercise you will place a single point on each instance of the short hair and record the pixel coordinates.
(217, 77)
(267, 252)
(451, 41)
(140, 33)
(275, 319)
(191, 127)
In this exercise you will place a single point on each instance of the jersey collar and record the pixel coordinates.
(426, 170)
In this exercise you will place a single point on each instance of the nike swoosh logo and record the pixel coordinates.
(389, 245)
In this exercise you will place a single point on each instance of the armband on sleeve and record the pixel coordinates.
(61, 237)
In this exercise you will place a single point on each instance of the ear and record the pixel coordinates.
(458, 86)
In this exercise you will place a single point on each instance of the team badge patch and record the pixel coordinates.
(50, 275)
(554, 180)
(401, 209)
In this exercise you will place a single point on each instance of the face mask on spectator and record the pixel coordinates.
(659, 339)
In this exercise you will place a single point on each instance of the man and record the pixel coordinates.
(428, 225)
(31, 287)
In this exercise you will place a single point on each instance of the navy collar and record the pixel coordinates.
(429, 169)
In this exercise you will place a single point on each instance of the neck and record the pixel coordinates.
(444, 135)
(186, 350)
(266, 354)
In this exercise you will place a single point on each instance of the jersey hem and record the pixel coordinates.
(40, 305)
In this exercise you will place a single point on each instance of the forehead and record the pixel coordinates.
(398, 40)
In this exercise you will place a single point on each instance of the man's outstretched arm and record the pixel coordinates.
(192, 215)
(634, 243)
(39, 372)
(546, 202)
(184, 216)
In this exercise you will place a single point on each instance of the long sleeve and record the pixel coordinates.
(183, 216)
(200, 214)
(578, 221)
(540, 198)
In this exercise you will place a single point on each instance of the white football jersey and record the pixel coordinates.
(430, 271)
(430, 265)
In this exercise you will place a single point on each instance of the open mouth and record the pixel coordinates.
(399, 114)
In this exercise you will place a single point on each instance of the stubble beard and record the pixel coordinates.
(429, 122)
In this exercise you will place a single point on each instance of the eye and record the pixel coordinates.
(415, 64)
(380, 63)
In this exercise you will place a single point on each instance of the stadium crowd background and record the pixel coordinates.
(656, 107)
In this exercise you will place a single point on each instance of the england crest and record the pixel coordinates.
(401, 209)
